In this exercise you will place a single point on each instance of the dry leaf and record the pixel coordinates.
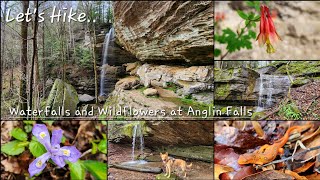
(304, 167)
(268, 175)
(219, 169)
(11, 165)
(295, 175)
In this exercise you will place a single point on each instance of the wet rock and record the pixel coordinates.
(127, 83)
(150, 92)
(267, 70)
(63, 95)
(85, 98)
(166, 30)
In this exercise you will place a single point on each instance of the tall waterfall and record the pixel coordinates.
(271, 87)
(137, 131)
(106, 43)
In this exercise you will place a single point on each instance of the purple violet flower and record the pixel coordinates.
(54, 151)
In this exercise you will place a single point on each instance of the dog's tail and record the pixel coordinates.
(189, 166)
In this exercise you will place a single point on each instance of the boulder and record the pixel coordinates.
(127, 83)
(85, 98)
(150, 92)
(173, 31)
(62, 96)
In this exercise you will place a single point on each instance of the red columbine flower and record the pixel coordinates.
(268, 33)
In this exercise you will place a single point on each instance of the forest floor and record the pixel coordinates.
(239, 138)
(121, 153)
(16, 167)
(306, 98)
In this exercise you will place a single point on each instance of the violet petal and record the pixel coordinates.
(41, 132)
(56, 137)
(38, 164)
(70, 153)
(58, 160)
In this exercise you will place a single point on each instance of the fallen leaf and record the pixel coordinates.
(232, 137)
(11, 165)
(304, 167)
(295, 175)
(219, 169)
(268, 175)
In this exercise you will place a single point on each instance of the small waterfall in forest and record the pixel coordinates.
(271, 87)
(106, 44)
(137, 131)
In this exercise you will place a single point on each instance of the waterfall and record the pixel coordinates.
(271, 87)
(106, 43)
(137, 131)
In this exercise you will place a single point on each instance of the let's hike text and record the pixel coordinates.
(56, 15)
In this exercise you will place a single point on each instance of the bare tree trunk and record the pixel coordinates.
(43, 65)
(3, 37)
(23, 59)
(95, 64)
(34, 55)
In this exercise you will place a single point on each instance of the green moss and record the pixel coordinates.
(127, 129)
(300, 81)
(258, 115)
(222, 91)
(171, 86)
(300, 67)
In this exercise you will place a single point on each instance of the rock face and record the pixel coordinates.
(235, 84)
(85, 98)
(63, 95)
(127, 83)
(192, 79)
(173, 31)
(164, 133)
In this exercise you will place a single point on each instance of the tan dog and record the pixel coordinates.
(171, 163)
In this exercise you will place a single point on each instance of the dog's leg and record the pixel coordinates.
(166, 171)
(169, 171)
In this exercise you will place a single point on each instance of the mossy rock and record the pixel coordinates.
(300, 82)
(300, 68)
(163, 177)
(63, 95)
(222, 91)
(258, 115)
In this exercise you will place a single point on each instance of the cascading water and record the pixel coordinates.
(271, 86)
(137, 131)
(106, 43)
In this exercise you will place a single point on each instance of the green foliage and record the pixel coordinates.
(171, 86)
(102, 146)
(14, 147)
(290, 111)
(83, 57)
(236, 41)
(77, 170)
(96, 168)
(19, 134)
(36, 148)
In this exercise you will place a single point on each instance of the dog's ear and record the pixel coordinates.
(167, 153)
(160, 153)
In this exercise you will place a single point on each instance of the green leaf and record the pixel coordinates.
(94, 148)
(13, 147)
(77, 170)
(252, 34)
(102, 146)
(28, 128)
(96, 168)
(242, 14)
(63, 139)
(36, 148)
(217, 52)
(19, 134)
